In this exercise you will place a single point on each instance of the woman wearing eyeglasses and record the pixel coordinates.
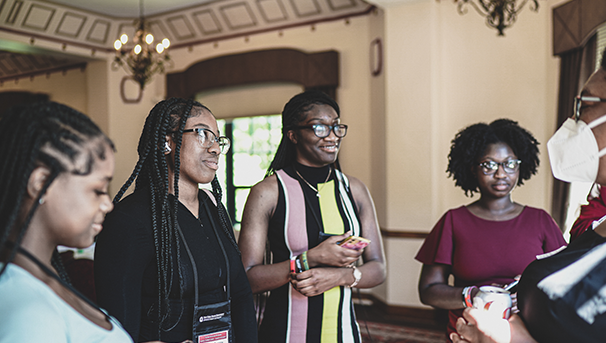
(491, 240)
(302, 209)
(169, 246)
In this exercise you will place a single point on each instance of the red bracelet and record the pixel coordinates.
(467, 301)
(292, 264)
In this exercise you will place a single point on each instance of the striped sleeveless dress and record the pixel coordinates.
(299, 221)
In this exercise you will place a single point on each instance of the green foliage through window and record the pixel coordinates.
(254, 143)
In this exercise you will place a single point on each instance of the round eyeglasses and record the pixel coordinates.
(578, 101)
(323, 130)
(207, 138)
(491, 167)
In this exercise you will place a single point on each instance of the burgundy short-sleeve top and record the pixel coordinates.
(484, 252)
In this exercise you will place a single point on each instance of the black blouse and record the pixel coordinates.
(557, 320)
(126, 272)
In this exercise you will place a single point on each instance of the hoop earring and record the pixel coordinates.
(167, 148)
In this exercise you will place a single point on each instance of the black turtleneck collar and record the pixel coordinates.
(314, 175)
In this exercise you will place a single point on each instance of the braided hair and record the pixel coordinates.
(471, 142)
(168, 117)
(295, 111)
(41, 134)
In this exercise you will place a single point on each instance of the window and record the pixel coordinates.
(254, 143)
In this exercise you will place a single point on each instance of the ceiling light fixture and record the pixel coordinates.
(141, 58)
(500, 14)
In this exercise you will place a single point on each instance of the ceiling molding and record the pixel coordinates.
(215, 21)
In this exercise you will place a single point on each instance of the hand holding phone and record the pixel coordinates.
(354, 242)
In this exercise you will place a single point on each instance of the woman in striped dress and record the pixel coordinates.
(301, 210)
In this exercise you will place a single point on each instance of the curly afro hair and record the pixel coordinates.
(471, 143)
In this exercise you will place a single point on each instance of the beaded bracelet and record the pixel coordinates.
(304, 258)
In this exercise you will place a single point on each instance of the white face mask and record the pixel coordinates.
(573, 151)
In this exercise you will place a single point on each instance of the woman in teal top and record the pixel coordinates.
(303, 208)
(54, 178)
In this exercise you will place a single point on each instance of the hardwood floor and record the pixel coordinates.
(375, 314)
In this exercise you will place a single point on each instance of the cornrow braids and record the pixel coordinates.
(470, 143)
(42, 134)
(294, 113)
(168, 117)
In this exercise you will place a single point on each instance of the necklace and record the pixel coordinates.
(309, 184)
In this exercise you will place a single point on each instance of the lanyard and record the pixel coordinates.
(191, 257)
(50, 273)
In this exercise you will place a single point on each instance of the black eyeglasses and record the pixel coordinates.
(323, 130)
(578, 101)
(491, 167)
(207, 138)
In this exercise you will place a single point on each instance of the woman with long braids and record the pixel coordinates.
(303, 208)
(491, 240)
(169, 246)
(55, 171)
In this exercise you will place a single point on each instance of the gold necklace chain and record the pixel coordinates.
(309, 184)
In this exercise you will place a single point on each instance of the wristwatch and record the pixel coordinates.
(357, 274)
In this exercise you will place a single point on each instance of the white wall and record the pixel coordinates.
(446, 71)
(350, 40)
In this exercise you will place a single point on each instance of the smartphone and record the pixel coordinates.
(354, 242)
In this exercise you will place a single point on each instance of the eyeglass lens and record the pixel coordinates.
(322, 130)
(491, 167)
(207, 139)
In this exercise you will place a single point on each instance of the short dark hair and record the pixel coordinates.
(294, 112)
(470, 143)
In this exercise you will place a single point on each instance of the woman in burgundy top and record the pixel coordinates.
(491, 240)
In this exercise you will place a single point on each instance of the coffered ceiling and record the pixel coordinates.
(95, 24)
(129, 8)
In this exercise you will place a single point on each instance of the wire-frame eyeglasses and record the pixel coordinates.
(578, 101)
(207, 138)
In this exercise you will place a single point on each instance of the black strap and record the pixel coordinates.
(214, 225)
(191, 259)
(50, 273)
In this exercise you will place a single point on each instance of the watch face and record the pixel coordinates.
(357, 274)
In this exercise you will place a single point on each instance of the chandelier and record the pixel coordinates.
(500, 14)
(142, 59)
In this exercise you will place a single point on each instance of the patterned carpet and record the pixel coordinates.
(388, 333)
